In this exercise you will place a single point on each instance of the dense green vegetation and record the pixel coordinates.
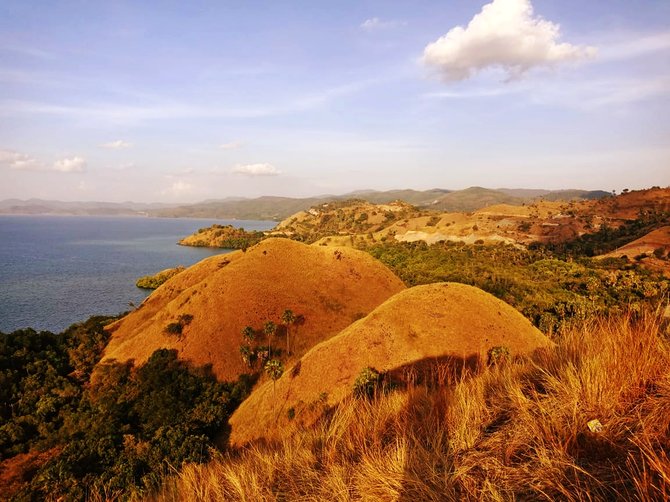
(153, 281)
(41, 381)
(549, 291)
(112, 433)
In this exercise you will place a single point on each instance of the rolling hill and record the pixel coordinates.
(447, 325)
(202, 311)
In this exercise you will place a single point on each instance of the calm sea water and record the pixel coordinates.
(58, 270)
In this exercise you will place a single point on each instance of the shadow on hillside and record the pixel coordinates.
(430, 386)
(434, 371)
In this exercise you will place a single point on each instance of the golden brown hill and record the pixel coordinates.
(329, 287)
(445, 322)
(652, 251)
(348, 217)
(629, 205)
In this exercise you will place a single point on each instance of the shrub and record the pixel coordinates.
(499, 355)
(366, 383)
(174, 328)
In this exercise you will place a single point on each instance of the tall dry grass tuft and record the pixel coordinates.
(514, 431)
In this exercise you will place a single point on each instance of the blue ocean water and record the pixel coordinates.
(58, 270)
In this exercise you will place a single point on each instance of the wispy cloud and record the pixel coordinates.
(256, 170)
(120, 113)
(486, 92)
(634, 46)
(375, 23)
(505, 34)
(119, 144)
(231, 145)
(582, 93)
(33, 52)
(178, 188)
(603, 92)
(18, 161)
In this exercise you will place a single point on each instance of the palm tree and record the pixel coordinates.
(246, 353)
(249, 334)
(274, 369)
(288, 319)
(270, 329)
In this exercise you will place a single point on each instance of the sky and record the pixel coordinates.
(178, 101)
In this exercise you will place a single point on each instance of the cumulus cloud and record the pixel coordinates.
(74, 164)
(116, 145)
(256, 170)
(232, 145)
(18, 161)
(505, 34)
(374, 23)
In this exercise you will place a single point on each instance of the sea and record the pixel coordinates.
(59, 270)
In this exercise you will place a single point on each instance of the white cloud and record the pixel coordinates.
(505, 34)
(375, 23)
(19, 161)
(256, 170)
(24, 162)
(74, 164)
(178, 188)
(116, 145)
(232, 145)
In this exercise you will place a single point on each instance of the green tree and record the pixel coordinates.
(288, 318)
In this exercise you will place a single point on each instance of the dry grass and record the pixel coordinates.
(515, 432)
(418, 330)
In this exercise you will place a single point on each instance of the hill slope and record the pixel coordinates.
(223, 294)
(444, 323)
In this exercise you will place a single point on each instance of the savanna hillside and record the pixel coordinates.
(517, 351)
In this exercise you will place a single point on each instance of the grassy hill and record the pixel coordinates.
(202, 311)
(444, 327)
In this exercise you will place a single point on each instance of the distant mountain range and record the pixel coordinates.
(55, 207)
(278, 208)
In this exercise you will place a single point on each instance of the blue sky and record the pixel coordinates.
(185, 101)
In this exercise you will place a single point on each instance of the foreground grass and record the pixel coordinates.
(516, 431)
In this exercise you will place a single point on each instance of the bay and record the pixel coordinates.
(58, 270)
